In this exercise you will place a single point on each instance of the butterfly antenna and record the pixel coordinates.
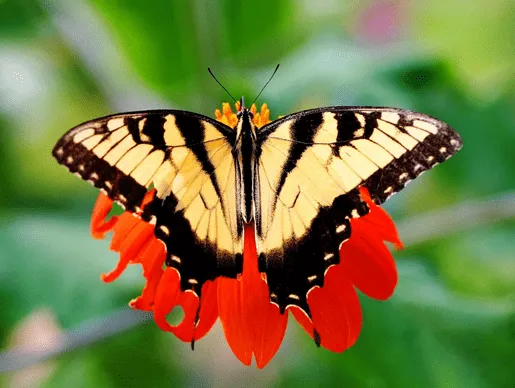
(267, 82)
(223, 87)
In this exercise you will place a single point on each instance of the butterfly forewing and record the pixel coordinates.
(311, 166)
(187, 158)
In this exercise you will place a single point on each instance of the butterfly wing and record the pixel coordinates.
(187, 158)
(310, 168)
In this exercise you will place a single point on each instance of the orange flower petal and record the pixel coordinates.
(305, 322)
(367, 262)
(208, 309)
(152, 259)
(186, 330)
(336, 311)
(380, 221)
(233, 316)
(149, 197)
(252, 324)
(99, 226)
(126, 223)
(134, 242)
(121, 266)
(269, 329)
(167, 295)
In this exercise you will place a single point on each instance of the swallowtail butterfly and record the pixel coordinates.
(296, 179)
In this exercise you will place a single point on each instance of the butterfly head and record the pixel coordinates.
(243, 109)
(245, 127)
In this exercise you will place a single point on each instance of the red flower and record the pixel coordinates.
(253, 326)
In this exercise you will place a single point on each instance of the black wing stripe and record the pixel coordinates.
(154, 131)
(306, 127)
(348, 124)
(194, 133)
(202, 174)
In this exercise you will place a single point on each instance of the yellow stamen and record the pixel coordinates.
(228, 117)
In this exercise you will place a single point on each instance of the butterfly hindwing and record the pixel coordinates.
(187, 159)
(310, 168)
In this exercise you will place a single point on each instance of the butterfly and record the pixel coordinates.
(296, 179)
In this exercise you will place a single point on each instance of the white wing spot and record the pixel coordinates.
(354, 213)
(418, 167)
(153, 220)
(359, 132)
(443, 150)
(341, 228)
(404, 175)
(94, 176)
(430, 158)
(176, 259)
(328, 256)
(311, 278)
(81, 167)
(60, 151)
(122, 198)
(455, 142)
(388, 190)
(69, 160)
(293, 296)
(165, 230)
(106, 183)
(192, 281)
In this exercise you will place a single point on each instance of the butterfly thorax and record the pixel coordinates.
(244, 152)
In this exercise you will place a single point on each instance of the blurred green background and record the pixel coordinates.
(451, 322)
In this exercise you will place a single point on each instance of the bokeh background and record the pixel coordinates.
(451, 322)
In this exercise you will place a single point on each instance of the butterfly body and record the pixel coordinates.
(296, 179)
(245, 155)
